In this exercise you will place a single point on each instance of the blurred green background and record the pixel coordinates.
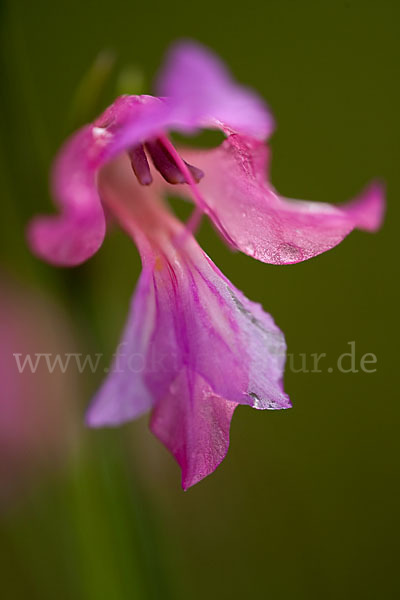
(306, 503)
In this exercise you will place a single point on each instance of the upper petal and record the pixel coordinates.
(78, 232)
(201, 93)
(259, 222)
(202, 90)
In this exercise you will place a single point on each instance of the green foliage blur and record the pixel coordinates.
(305, 506)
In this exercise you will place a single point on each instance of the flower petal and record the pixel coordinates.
(78, 232)
(202, 90)
(124, 395)
(193, 423)
(205, 325)
(67, 240)
(256, 220)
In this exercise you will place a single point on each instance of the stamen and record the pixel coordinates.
(195, 191)
(195, 172)
(184, 168)
(168, 167)
(140, 165)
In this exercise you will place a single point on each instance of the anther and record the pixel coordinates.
(140, 165)
(166, 165)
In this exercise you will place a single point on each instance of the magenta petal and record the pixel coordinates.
(203, 92)
(77, 233)
(368, 210)
(124, 395)
(206, 326)
(193, 423)
(269, 227)
(65, 240)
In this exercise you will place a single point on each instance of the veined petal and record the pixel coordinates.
(206, 347)
(203, 91)
(193, 423)
(78, 232)
(256, 220)
(124, 395)
(242, 203)
(205, 325)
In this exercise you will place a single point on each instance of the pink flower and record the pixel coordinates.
(194, 347)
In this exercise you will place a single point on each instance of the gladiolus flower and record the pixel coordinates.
(194, 347)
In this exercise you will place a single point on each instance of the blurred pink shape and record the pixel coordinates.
(37, 409)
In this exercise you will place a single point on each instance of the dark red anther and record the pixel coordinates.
(166, 165)
(140, 165)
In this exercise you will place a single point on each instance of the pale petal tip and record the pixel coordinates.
(368, 209)
(97, 417)
(44, 244)
(94, 418)
(64, 242)
(110, 411)
(91, 419)
(198, 80)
